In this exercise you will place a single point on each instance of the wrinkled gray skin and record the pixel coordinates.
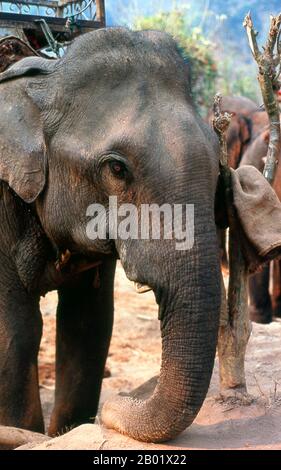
(116, 96)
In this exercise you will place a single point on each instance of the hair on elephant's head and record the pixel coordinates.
(114, 117)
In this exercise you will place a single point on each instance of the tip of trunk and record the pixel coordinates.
(147, 425)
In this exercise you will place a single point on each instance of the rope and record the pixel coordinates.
(53, 44)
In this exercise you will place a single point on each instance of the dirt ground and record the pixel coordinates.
(135, 357)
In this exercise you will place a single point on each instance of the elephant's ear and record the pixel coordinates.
(27, 67)
(22, 145)
(245, 129)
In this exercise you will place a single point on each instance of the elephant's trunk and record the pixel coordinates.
(189, 333)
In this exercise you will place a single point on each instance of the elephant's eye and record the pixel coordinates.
(118, 169)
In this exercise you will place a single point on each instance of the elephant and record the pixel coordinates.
(113, 117)
(247, 122)
(239, 133)
(263, 305)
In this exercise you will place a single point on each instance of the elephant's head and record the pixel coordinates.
(115, 117)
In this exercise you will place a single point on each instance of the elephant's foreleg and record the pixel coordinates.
(84, 327)
(20, 335)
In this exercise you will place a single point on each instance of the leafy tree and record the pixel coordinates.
(236, 77)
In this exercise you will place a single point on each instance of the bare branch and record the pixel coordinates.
(221, 123)
(268, 75)
(279, 44)
(273, 34)
(252, 36)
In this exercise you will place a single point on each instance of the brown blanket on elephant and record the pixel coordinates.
(13, 49)
(259, 216)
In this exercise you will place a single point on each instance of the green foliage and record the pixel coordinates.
(196, 48)
(238, 78)
(246, 86)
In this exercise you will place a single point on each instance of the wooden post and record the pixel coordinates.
(234, 331)
(235, 326)
(100, 12)
(61, 5)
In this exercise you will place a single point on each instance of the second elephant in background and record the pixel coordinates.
(264, 305)
(247, 121)
(247, 143)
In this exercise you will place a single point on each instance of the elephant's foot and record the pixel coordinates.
(235, 396)
(11, 437)
(261, 315)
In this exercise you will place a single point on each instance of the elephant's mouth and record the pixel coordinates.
(141, 288)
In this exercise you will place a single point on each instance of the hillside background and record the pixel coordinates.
(124, 12)
(215, 29)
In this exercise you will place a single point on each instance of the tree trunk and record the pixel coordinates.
(234, 331)
(235, 327)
